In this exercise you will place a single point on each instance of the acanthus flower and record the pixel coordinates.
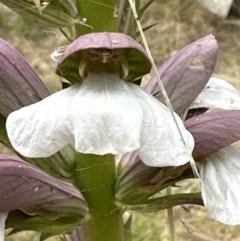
(104, 114)
(109, 98)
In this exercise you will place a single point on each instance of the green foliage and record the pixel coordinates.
(20, 222)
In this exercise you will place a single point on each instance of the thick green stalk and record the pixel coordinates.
(100, 16)
(95, 176)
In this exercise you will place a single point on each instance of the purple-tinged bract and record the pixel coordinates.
(186, 73)
(119, 45)
(213, 131)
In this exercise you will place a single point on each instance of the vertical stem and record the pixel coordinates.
(128, 22)
(95, 176)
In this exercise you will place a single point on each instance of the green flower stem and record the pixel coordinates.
(95, 22)
(95, 176)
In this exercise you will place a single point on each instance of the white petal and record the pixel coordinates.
(219, 7)
(107, 117)
(41, 129)
(220, 174)
(3, 217)
(100, 116)
(103, 115)
(161, 144)
(218, 93)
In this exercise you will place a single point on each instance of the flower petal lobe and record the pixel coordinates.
(161, 143)
(220, 190)
(218, 93)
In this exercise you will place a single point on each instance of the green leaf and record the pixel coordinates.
(146, 28)
(21, 222)
(140, 182)
(52, 16)
(133, 28)
(144, 8)
(168, 201)
(70, 6)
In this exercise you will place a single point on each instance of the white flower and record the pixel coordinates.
(218, 93)
(103, 115)
(3, 217)
(220, 173)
